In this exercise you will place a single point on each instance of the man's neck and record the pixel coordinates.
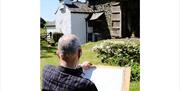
(68, 65)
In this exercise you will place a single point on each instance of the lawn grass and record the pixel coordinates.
(134, 86)
(48, 56)
(88, 54)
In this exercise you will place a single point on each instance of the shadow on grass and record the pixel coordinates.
(49, 49)
(45, 56)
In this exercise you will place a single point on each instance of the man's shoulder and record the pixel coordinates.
(48, 66)
(49, 70)
(86, 81)
(88, 85)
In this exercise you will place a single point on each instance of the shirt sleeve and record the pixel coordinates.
(80, 69)
(92, 87)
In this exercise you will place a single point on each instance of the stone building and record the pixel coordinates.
(98, 19)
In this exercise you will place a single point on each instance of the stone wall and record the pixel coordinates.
(130, 14)
(106, 7)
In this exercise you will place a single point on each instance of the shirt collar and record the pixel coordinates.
(70, 71)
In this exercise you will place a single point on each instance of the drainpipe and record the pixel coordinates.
(86, 30)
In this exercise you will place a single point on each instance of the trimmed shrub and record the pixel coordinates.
(56, 36)
(121, 52)
(43, 34)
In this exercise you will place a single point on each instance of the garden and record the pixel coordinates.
(114, 52)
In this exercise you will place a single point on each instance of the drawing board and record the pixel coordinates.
(107, 78)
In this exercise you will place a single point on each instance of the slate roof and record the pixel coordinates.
(79, 7)
(96, 15)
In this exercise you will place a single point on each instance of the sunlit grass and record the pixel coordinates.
(48, 56)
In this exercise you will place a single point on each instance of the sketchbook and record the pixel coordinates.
(109, 78)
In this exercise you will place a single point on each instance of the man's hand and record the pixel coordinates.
(87, 65)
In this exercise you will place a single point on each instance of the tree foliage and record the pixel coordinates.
(42, 23)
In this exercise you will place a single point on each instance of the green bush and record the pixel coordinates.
(43, 34)
(56, 36)
(122, 52)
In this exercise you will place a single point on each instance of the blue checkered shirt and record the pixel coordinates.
(65, 79)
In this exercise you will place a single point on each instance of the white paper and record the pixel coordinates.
(105, 79)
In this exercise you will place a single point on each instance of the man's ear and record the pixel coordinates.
(57, 53)
(79, 52)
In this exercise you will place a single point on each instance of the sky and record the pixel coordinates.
(48, 8)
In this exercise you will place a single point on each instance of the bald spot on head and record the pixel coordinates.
(68, 45)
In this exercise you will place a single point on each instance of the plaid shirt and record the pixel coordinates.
(65, 79)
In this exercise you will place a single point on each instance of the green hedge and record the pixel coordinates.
(122, 52)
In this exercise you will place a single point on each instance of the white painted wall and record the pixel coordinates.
(63, 21)
(52, 30)
(71, 23)
(79, 26)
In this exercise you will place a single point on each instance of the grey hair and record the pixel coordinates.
(68, 44)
